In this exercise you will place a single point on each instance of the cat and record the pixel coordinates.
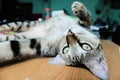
(69, 41)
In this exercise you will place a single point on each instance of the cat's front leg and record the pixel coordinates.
(82, 13)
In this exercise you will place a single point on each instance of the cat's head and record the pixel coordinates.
(80, 46)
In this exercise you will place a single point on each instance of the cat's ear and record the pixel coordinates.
(98, 67)
(58, 60)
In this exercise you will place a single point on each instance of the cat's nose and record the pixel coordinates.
(70, 32)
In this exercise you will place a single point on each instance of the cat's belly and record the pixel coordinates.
(37, 32)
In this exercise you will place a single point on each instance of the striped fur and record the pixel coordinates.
(34, 37)
(20, 30)
(34, 29)
(60, 35)
(19, 26)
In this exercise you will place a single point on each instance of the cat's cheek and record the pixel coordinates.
(58, 60)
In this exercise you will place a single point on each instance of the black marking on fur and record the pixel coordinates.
(38, 49)
(32, 43)
(99, 46)
(17, 37)
(66, 12)
(78, 62)
(28, 25)
(8, 25)
(7, 38)
(15, 46)
(19, 28)
(82, 24)
(56, 51)
(16, 23)
(12, 28)
(24, 37)
(81, 15)
(82, 18)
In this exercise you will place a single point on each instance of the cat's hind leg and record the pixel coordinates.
(82, 13)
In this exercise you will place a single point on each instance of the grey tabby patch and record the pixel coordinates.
(60, 36)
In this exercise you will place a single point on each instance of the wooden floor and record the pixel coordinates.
(39, 69)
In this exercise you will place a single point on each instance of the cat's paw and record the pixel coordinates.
(82, 13)
(77, 8)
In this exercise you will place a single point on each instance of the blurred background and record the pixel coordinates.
(105, 13)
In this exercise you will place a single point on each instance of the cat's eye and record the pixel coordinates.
(66, 50)
(86, 47)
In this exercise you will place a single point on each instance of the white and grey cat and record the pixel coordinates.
(60, 36)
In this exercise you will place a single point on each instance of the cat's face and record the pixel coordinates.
(79, 46)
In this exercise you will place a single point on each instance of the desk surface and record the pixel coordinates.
(39, 69)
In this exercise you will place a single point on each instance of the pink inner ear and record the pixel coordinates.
(99, 68)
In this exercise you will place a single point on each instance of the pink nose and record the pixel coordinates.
(70, 32)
